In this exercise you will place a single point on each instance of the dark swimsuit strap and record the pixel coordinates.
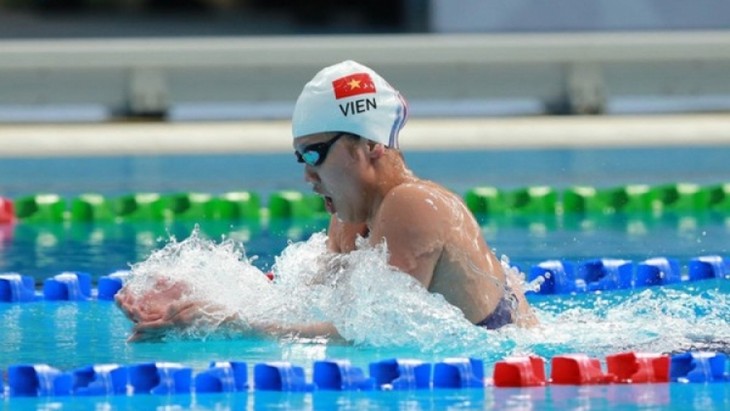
(502, 314)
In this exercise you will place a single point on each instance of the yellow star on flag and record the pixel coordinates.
(354, 84)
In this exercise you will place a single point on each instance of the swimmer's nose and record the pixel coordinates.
(310, 175)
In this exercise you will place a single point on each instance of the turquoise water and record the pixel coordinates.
(69, 335)
(624, 397)
(43, 250)
(458, 170)
(669, 319)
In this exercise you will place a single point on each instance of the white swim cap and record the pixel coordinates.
(352, 98)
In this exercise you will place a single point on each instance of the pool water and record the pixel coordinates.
(44, 249)
(667, 319)
(458, 170)
(624, 397)
(71, 334)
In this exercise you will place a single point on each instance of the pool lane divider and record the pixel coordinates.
(7, 211)
(548, 277)
(606, 274)
(631, 198)
(291, 204)
(66, 286)
(166, 378)
(137, 207)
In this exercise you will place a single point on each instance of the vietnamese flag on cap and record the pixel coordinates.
(352, 85)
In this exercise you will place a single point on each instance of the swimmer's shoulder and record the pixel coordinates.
(418, 191)
(411, 193)
(418, 199)
(418, 188)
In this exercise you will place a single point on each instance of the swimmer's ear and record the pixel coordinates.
(375, 150)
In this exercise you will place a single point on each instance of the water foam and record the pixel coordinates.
(374, 305)
(368, 301)
(659, 319)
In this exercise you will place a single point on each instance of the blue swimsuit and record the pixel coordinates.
(502, 315)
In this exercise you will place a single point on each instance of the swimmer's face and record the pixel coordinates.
(331, 166)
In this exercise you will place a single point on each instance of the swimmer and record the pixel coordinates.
(345, 126)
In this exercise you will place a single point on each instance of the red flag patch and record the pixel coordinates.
(352, 85)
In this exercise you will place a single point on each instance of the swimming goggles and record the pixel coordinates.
(315, 154)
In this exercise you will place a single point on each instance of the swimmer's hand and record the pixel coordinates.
(157, 311)
(165, 308)
(178, 316)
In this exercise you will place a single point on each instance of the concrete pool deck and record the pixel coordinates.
(158, 138)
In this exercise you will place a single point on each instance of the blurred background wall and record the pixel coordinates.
(242, 59)
(93, 18)
(577, 15)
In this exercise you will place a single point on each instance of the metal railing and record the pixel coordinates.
(446, 74)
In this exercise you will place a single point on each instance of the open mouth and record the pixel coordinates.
(328, 204)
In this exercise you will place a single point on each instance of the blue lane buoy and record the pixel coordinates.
(104, 379)
(698, 367)
(401, 374)
(109, 285)
(38, 380)
(280, 376)
(340, 375)
(459, 373)
(223, 377)
(68, 286)
(658, 271)
(556, 276)
(160, 378)
(16, 288)
(709, 266)
(607, 274)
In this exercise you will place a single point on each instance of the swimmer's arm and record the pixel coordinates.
(312, 330)
(321, 329)
(182, 315)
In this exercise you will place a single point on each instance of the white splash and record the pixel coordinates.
(657, 319)
(368, 301)
(217, 275)
(374, 305)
